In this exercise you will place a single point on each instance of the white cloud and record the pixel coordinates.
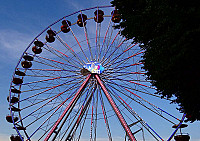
(76, 5)
(13, 43)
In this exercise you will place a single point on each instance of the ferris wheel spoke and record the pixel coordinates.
(152, 107)
(78, 42)
(57, 108)
(63, 57)
(128, 73)
(124, 65)
(123, 52)
(105, 117)
(104, 40)
(41, 81)
(50, 79)
(86, 35)
(117, 112)
(84, 109)
(38, 118)
(77, 115)
(114, 77)
(53, 114)
(142, 85)
(51, 88)
(83, 125)
(120, 67)
(70, 121)
(53, 50)
(71, 50)
(112, 52)
(58, 64)
(47, 87)
(108, 45)
(74, 100)
(108, 59)
(159, 109)
(43, 92)
(35, 103)
(137, 117)
(132, 81)
(96, 112)
(71, 108)
(53, 74)
(97, 41)
(47, 64)
(92, 119)
(56, 96)
(107, 50)
(123, 83)
(127, 86)
(125, 59)
(54, 61)
(46, 70)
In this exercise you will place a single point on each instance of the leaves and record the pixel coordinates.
(169, 31)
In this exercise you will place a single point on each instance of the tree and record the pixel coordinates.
(169, 31)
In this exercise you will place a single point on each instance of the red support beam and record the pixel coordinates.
(75, 98)
(117, 112)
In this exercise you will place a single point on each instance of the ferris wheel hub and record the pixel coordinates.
(94, 67)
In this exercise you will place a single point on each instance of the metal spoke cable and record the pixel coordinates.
(110, 45)
(136, 115)
(51, 60)
(77, 42)
(86, 36)
(146, 102)
(71, 50)
(69, 111)
(105, 117)
(53, 87)
(104, 40)
(66, 57)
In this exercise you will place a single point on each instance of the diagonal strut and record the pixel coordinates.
(117, 112)
(74, 100)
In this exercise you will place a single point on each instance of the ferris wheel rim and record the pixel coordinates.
(16, 68)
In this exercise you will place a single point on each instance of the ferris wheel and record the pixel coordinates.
(80, 80)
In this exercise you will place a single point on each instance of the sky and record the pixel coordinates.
(20, 22)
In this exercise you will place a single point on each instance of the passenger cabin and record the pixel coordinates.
(36, 49)
(17, 81)
(81, 20)
(9, 119)
(20, 73)
(14, 90)
(13, 99)
(98, 16)
(15, 138)
(26, 64)
(115, 16)
(65, 26)
(50, 37)
(28, 57)
(181, 136)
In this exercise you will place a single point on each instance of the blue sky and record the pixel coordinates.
(20, 22)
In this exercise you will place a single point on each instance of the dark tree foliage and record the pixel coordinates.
(169, 31)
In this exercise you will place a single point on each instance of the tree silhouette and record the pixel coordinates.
(169, 31)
